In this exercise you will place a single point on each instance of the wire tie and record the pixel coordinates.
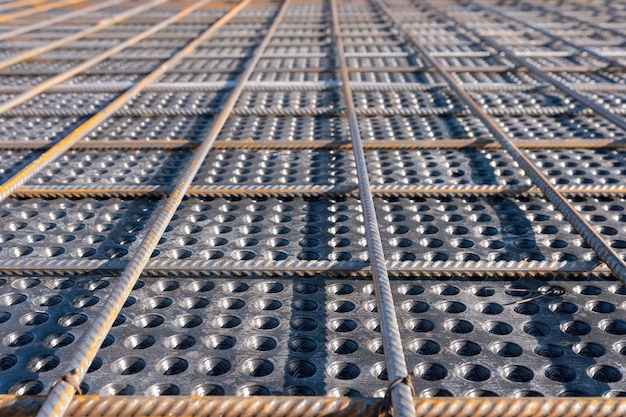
(71, 378)
(386, 406)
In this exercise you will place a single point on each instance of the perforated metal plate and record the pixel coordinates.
(262, 282)
(317, 336)
(292, 170)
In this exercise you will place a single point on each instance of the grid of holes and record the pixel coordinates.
(21, 80)
(384, 62)
(137, 168)
(615, 325)
(153, 128)
(198, 77)
(244, 337)
(322, 49)
(482, 21)
(134, 66)
(478, 228)
(49, 129)
(585, 167)
(439, 49)
(273, 168)
(519, 78)
(538, 100)
(64, 229)
(92, 102)
(466, 338)
(475, 62)
(607, 215)
(270, 75)
(406, 100)
(421, 128)
(395, 77)
(594, 12)
(288, 100)
(12, 161)
(72, 53)
(558, 24)
(273, 229)
(285, 128)
(611, 100)
(36, 67)
(98, 168)
(101, 79)
(138, 59)
(40, 320)
(444, 167)
(372, 36)
(16, 47)
(564, 167)
(155, 102)
(579, 60)
(599, 77)
(296, 64)
(559, 127)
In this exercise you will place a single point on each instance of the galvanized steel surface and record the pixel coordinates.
(313, 198)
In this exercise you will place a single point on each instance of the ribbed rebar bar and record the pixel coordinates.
(401, 394)
(166, 406)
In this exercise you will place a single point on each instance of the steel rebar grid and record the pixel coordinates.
(64, 76)
(604, 251)
(611, 62)
(38, 9)
(613, 118)
(401, 389)
(88, 126)
(17, 4)
(58, 19)
(179, 267)
(61, 394)
(579, 20)
(83, 33)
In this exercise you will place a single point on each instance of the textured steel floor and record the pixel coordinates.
(492, 137)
